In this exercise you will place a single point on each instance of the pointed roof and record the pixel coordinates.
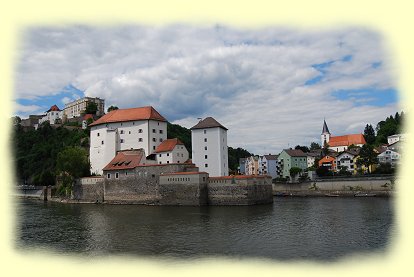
(54, 108)
(122, 115)
(125, 160)
(325, 128)
(208, 122)
(168, 145)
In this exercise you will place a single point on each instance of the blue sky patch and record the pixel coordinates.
(45, 102)
(368, 96)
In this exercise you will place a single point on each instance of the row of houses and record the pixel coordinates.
(340, 156)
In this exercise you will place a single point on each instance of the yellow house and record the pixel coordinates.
(363, 168)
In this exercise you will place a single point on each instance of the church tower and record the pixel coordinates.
(325, 134)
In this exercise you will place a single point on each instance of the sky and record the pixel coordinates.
(271, 87)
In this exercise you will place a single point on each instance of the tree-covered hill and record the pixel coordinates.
(36, 151)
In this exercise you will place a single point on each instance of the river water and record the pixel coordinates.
(314, 229)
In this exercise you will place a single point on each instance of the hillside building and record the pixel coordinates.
(77, 107)
(209, 147)
(53, 115)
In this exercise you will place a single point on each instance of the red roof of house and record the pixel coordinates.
(125, 160)
(168, 145)
(87, 116)
(326, 159)
(54, 108)
(120, 115)
(346, 140)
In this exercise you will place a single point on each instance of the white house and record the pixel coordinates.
(171, 151)
(389, 156)
(51, 115)
(125, 129)
(346, 159)
(394, 138)
(209, 147)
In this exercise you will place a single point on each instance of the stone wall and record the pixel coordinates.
(88, 191)
(183, 189)
(141, 186)
(342, 185)
(246, 190)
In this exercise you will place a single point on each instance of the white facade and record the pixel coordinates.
(389, 156)
(394, 138)
(178, 155)
(346, 160)
(75, 108)
(51, 117)
(310, 160)
(209, 150)
(108, 138)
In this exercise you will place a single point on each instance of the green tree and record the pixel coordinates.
(293, 171)
(91, 108)
(315, 146)
(303, 148)
(71, 163)
(369, 134)
(367, 156)
(325, 149)
(234, 155)
(112, 108)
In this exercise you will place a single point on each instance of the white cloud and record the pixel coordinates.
(250, 80)
(66, 100)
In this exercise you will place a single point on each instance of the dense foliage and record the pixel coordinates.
(182, 133)
(234, 155)
(36, 151)
(390, 126)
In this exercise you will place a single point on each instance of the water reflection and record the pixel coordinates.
(290, 228)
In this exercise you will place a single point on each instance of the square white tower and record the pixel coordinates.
(209, 147)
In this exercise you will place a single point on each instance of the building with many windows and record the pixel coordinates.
(77, 107)
(267, 165)
(124, 129)
(289, 158)
(209, 147)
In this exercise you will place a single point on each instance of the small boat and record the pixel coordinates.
(365, 194)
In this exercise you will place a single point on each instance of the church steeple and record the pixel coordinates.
(325, 129)
(326, 135)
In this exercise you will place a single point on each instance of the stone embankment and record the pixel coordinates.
(345, 187)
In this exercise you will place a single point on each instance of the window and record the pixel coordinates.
(160, 131)
(97, 134)
(140, 131)
(205, 147)
(102, 142)
(159, 155)
(205, 139)
(153, 130)
(108, 175)
(160, 162)
(178, 154)
(116, 175)
(154, 139)
(168, 154)
(122, 140)
(160, 139)
(153, 147)
(126, 173)
(205, 131)
(206, 165)
(129, 132)
(121, 132)
(168, 162)
(205, 157)
(140, 139)
(182, 155)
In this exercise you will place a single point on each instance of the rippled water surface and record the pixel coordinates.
(290, 228)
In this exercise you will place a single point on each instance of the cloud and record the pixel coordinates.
(255, 82)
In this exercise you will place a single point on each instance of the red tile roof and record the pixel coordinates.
(54, 108)
(346, 140)
(125, 160)
(121, 115)
(168, 145)
(87, 116)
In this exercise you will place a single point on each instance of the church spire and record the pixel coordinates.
(325, 128)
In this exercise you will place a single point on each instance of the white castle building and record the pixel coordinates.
(209, 147)
(124, 129)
